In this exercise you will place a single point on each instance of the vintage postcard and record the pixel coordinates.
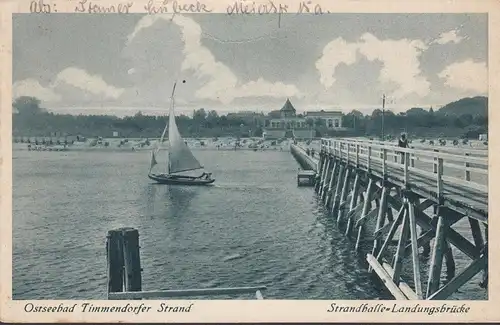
(248, 161)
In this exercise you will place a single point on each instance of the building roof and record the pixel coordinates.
(288, 107)
(324, 113)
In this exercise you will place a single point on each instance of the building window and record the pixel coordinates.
(337, 123)
(330, 123)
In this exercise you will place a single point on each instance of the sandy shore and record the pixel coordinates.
(118, 145)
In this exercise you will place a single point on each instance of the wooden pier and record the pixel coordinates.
(125, 273)
(364, 183)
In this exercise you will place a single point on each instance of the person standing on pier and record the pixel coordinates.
(403, 143)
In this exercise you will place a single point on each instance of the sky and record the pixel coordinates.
(121, 64)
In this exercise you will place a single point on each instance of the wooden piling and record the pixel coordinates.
(352, 206)
(398, 189)
(392, 232)
(336, 196)
(320, 174)
(114, 248)
(328, 193)
(380, 218)
(437, 258)
(403, 238)
(478, 239)
(324, 177)
(132, 261)
(124, 266)
(414, 246)
(366, 208)
(343, 196)
(450, 262)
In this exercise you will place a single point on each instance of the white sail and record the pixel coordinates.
(180, 158)
(153, 159)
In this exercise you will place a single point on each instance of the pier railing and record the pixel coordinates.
(420, 146)
(444, 168)
(125, 279)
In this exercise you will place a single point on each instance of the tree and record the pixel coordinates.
(27, 105)
(199, 115)
(32, 120)
(212, 119)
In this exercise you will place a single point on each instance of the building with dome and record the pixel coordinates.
(285, 123)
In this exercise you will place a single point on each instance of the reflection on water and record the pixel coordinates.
(253, 227)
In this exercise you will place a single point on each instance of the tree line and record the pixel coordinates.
(31, 119)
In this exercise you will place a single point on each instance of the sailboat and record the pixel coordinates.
(180, 157)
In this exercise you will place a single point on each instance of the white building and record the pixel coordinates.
(288, 125)
(333, 119)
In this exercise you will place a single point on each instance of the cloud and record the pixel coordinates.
(335, 53)
(466, 76)
(264, 88)
(79, 79)
(31, 87)
(401, 64)
(449, 37)
(93, 84)
(219, 83)
(145, 22)
(400, 60)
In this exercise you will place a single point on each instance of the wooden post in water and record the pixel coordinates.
(336, 196)
(380, 219)
(324, 177)
(132, 259)
(343, 195)
(414, 250)
(124, 266)
(320, 173)
(366, 207)
(328, 193)
(115, 260)
(403, 238)
(353, 203)
(437, 257)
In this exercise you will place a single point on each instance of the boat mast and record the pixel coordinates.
(171, 115)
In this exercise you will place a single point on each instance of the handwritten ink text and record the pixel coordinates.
(121, 8)
(176, 7)
(248, 8)
(309, 7)
(40, 7)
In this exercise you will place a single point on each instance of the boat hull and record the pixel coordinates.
(180, 180)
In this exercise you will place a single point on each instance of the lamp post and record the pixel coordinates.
(383, 109)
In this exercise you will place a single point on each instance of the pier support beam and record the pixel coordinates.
(387, 205)
(353, 204)
(326, 174)
(327, 193)
(338, 189)
(369, 194)
(343, 195)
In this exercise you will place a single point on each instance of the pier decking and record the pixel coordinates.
(403, 183)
